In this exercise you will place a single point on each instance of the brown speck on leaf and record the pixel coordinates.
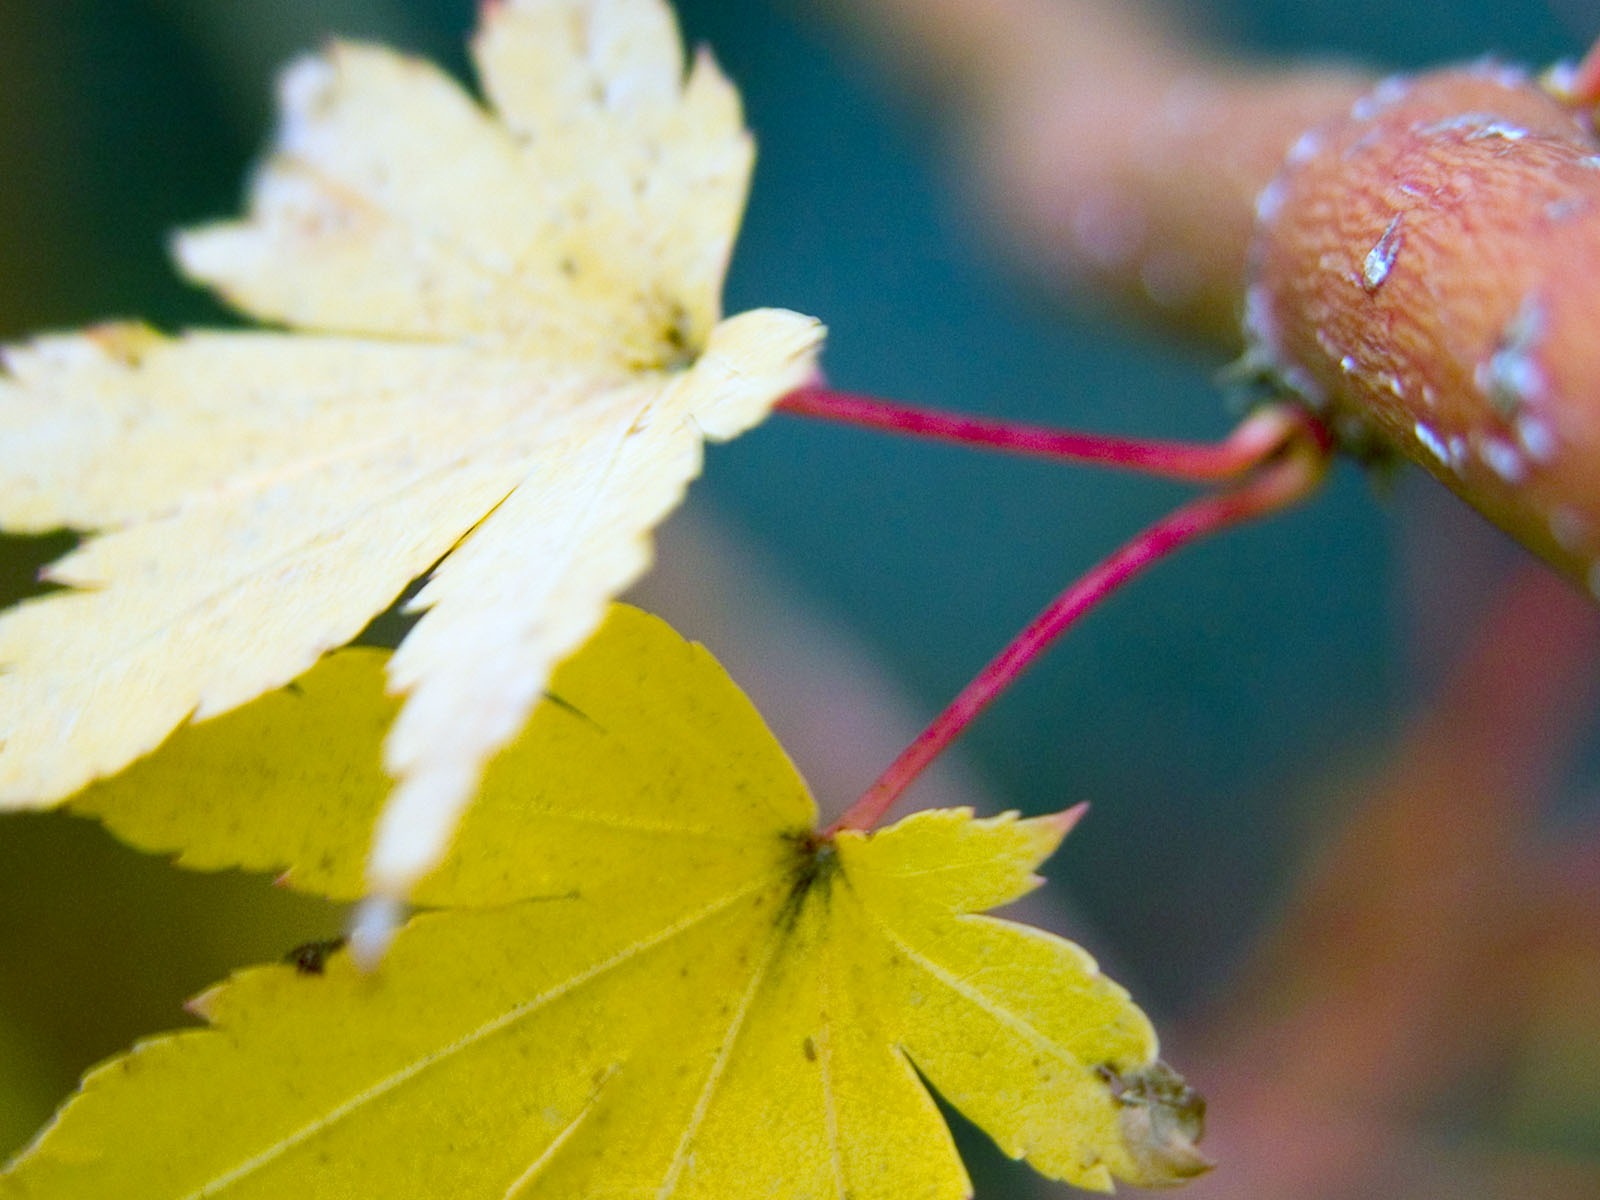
(311, 958)
(677, 335)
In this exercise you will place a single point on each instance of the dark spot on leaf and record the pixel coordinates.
(816, 862)
(809, 1049)
(311, 958)
(568, 706)
(569, 894)
(676, 333)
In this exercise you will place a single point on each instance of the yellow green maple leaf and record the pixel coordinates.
(658, 979)
(504, 354)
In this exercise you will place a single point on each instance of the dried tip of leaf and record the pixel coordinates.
(1067, 820)
(201, 1006)
(124, 342)
(1161, 1121)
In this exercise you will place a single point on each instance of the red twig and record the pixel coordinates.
(1584, 86)
(1248, 445)
(1274, 487)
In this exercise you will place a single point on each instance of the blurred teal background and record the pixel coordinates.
(1198, 712)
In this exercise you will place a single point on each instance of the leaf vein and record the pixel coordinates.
(504, 1021)
(719, 1066)
(980, 999)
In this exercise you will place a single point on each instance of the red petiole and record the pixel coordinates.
(1279, 453)
(1584, 88)
(1252, 441)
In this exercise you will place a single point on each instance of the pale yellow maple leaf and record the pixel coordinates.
(505, 354)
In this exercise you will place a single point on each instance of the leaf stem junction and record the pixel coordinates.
(1274, 459)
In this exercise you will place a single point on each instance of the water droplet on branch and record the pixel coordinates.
(1380, 259)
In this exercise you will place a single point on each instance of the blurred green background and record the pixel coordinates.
(1199, 712)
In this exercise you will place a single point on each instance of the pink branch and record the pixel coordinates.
(1276, 487)
(1251, 443)
(1584, 87)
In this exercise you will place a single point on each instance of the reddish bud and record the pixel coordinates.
(1426, 272)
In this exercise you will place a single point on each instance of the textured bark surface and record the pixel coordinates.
(1417, 258)
(1426, 270)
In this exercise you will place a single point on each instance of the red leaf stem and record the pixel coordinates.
(1583, 89)
(1287, 479)
(1251, 443)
